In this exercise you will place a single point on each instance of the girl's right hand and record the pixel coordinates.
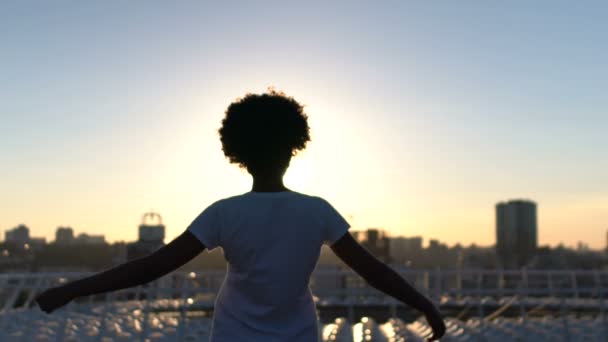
(433, 317)
(53, 298)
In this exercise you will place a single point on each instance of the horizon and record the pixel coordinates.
(425, 241)
(422, 117)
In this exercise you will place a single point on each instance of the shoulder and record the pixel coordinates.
(215, 207)
(307, 197)
(243, 199)
(226, 201)
(318, 202)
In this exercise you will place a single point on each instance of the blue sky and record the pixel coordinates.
(423, 115)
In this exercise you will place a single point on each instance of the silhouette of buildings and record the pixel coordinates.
(516, 246)
(19, 248)
(64, 235)
(376, 242)
(87, 239)
(151, 232)
(151, 236)
(18, 236)
(404, 249)
(516, 233)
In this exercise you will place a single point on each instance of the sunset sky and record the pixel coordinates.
(422, 116)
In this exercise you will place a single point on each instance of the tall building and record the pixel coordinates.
(516, 233)
(18, 235)
(151, 236)
(152, 228)
(64, 235)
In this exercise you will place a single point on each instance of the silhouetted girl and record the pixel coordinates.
(271, 237)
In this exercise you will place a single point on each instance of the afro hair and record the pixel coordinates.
(264, 130)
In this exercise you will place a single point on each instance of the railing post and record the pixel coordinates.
(480, 311)
(426, 282)
(501, 282)
(574, 283)
(437, 284)
(459, 282)
(524, 279)
(3, 315)
(185, 285)
(350, 310)
(550, 284)
(564, 319)
(108, 302)
(600, 296)
(393, 308)
(13, 297)
(523, 291)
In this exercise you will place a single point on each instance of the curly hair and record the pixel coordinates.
(263, 130)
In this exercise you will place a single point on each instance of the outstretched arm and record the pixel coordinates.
(132, 273)
(385, 279)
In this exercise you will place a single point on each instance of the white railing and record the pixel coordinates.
(482, 305)
(342, 287)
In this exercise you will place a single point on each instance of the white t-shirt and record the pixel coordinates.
(272, 242)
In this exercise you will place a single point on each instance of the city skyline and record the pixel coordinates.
(499, 225)
(422, 117)
(21, 237)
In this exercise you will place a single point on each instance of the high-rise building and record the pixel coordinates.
(64, 235)
(18, 235)
(516, 233)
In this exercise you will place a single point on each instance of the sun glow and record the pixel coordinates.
(300, 173)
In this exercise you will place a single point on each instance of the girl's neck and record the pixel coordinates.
(268, 185)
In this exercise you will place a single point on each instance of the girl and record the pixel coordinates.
(271, 237)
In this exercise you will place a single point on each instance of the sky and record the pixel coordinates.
(423, 115)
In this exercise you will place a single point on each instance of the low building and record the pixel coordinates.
(403, 249)
(86, 239)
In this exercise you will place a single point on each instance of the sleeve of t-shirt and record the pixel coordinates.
(335, 225)
(206, 227)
